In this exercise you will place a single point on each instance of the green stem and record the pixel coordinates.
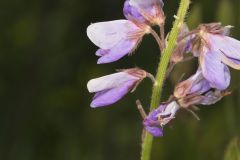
(161, 72)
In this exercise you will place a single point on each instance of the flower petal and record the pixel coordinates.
(147, 5)
(196, 84)
(155, 131)
(101, 52)
(214, 70)
(211, 97)
(107, 34)
(151, 10)
(123, 48)
(151, 123)
(200, 87)
(111, 96)
(109, 81)
(230, 47)
(131, 13)
(169, 113)
(230, 61)
(200, 84)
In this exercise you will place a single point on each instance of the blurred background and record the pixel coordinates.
(46, 61)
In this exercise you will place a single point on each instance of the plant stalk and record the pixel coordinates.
(162, 70)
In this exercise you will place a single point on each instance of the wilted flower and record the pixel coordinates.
(159, 117)
(144, 11)
(197, 90)
(196, 84)
(215, 50)
(208, 98)
(111, 88)
(115, 38)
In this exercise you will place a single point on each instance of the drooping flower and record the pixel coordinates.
(144, 11)
(196, 84)
(115, 38)
(197, 90)
(111, 88)
(159, 117)
(216, 50)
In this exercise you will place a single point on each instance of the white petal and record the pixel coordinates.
(107, 34)
(109, 81)
(171, 109)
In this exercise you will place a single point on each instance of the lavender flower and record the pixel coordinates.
(144, 11)
(111, 88)
(159, 117)
(115, 38)
(196, 84)
(216, 50)
(197, 90)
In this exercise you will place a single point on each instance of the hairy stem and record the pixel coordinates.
(161, 72)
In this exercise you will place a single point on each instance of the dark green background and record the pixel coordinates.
(46, 60)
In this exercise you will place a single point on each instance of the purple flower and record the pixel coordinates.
(196, 84)
(197, 90)
(159, 117)
(111, 88)
(115, 38)
(216, 50)
(144, 11)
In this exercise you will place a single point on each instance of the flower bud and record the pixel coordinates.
(111, 88)
(144, 11)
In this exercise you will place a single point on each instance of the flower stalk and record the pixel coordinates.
(162, 71)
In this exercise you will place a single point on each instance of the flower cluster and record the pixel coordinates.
(209, 43)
